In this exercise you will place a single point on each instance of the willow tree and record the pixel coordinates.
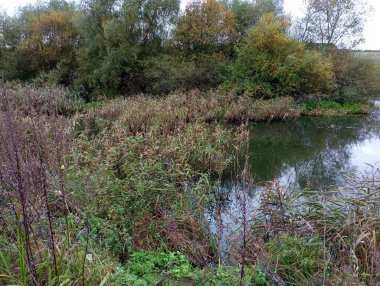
(40, 39)
(333, 22)
(117, 36)
(204, 39)
(248, 13)
(206, 26)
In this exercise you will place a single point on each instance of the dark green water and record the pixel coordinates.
(315, 152)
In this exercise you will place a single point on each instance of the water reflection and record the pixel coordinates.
(314, 152)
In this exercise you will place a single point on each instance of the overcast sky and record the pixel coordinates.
(293, 7)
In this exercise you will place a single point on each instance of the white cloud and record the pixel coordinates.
(11, 5)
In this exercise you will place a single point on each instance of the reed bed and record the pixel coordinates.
(119, 194)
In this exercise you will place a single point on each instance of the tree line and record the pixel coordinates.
(151, 46)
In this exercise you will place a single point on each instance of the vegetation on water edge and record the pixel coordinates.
(118, 195)
(334, 108)
(178, 108)
(173, 268)
(99, 189)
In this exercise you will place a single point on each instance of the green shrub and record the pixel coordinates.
(151, 267)
(229, 276)
(259, 278)
(357, 77)
(148, 268)
(167, 73)
(269, 63)
(297, 260)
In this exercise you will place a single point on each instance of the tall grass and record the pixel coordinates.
(27, 160)
(333, 233)
(312, 237)
(155, 179)
(176, 110)
(28, 99)
(35, 207)
(84, 196)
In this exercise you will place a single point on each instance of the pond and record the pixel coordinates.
(311, 153)
(315, 152)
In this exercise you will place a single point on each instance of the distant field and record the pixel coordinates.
(373, 55)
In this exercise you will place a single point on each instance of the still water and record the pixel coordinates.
(315, 152)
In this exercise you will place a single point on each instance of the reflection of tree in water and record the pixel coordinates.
(326, 169)
(313, 152)
(316, 151)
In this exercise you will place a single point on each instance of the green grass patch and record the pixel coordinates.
(96, 104)
(175, 269)
(334, 108)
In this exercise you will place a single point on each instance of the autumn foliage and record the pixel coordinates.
(270, 63)
(105, 47)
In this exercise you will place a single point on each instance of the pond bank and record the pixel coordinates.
(214, 106)
(138, 178)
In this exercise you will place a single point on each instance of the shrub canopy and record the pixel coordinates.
(270, 63)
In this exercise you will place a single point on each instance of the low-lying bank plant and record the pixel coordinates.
(29, 99)
(170, 114)
(174, 269)
(334, 108)
(153, 268)
(152, 187)
(178, 109)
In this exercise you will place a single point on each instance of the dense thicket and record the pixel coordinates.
(269, 64)
(104, 47)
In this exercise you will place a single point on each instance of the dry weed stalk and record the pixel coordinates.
(32, 151)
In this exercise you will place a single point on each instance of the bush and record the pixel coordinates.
(269, 63)
(151, 267)
(298, 261)
(357, 77)
(168, 73)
